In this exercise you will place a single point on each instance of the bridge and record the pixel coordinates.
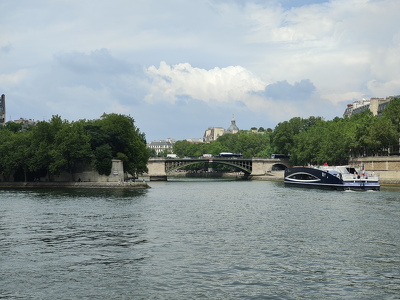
(159, 168)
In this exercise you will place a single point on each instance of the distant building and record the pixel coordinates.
(2, 109)
(25, 122)
(233, 128)
(375, 105)
(161, 146)
(195, 141)
(212, 133)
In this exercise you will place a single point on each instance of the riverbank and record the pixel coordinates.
(270, 176)
(66, 184)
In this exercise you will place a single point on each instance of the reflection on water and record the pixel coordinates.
(88, 192)
(185, 239)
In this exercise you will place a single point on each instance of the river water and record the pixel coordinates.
(200, 239)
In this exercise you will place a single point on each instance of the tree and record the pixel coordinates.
(392, 112)
(307, 146)
(6, 148)
(152, 152)
(334, 144)
(43, 142)
(14, 127)
(181, 148)
(103, 159)
(126, 141)
(21, 153)
(284, 133)
(72, 146)
(380, 135)
(362, 121)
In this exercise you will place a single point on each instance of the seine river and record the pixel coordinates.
(200, 239)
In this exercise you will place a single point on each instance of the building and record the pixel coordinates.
(25, 122)
(233, 128)
(161, 146)
(195, 141)
(212, 133)
(375, 105)
(2, 109)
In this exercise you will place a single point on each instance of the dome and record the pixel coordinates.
(233, 128)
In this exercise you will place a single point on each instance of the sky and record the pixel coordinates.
(178, 67)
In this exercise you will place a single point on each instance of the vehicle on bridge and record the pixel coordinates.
(280, 156)
(230, 155)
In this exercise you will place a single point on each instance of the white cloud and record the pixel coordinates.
(215, 86)
(382, 89)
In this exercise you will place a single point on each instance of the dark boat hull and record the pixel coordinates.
(320, 179)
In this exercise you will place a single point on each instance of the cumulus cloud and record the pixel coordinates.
(215, 86)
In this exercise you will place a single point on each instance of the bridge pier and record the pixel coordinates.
(263, 166)
(156, 167)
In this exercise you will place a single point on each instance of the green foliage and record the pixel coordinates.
(163, 153)
(392, 111)
(152, 152)
(14, 127)
(314, 141)
(248, 143)
(14, 149)
(124, 141)
(71, 145)
(58, 145)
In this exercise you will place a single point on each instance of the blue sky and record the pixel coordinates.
(179, 66)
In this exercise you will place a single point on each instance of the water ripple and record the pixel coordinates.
(199, 239)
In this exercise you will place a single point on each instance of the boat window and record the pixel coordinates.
(303, 176)
(351, 170)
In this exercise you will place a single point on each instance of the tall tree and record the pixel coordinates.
(392, 112)
(43, 142)
(126, 141)
(72, 146)
(284, 134)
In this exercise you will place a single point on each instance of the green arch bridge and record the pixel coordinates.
(159, 168)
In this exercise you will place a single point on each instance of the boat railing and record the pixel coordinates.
(360, 177)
